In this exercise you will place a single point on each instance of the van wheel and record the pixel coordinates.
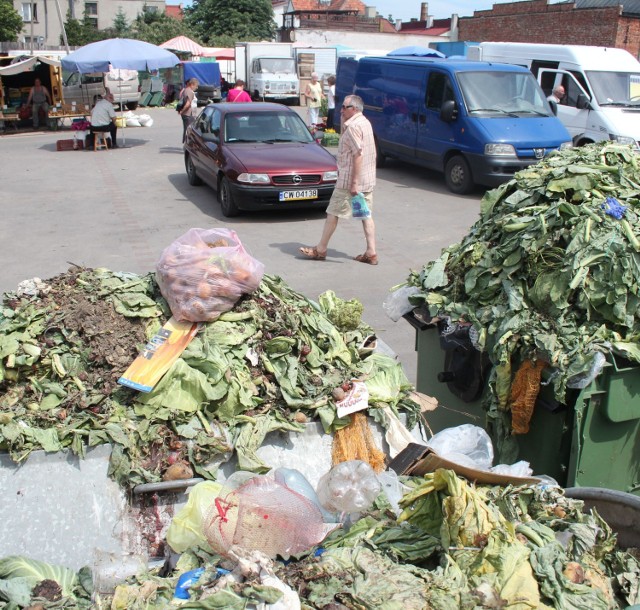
(192, 175)
(458, 175)
(380, 158)
(132, 105)
(225, 197)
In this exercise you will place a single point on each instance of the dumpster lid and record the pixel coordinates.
(416, 459)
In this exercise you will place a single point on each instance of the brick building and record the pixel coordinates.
(603, 23)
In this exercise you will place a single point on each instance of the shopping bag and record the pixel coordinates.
(359, 207)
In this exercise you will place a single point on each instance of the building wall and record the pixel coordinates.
(537, 21)
(47, 30)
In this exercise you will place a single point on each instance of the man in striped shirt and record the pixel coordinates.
(356, 174)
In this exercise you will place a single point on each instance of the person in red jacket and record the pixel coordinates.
(238, 94)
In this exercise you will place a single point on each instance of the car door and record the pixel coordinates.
(435, 136)
(206, 153)
(575, 119)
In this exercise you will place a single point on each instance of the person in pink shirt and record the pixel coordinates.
(238, 94)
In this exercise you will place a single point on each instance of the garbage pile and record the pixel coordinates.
(271, 362)
(547, 278)
(447, 544)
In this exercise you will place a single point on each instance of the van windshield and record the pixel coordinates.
(615, 88)
(276, 65)
(502, 94)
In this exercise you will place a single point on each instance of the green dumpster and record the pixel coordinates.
(591, 441)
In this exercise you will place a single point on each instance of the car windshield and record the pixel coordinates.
(615, 88)
(503, 94)
(268, 127)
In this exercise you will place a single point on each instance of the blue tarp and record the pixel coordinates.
(207, 73)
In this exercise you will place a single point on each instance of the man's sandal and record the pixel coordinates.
(313, 253)
(366, 258)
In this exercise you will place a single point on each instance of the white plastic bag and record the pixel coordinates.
(133, 122)
(467, 445)
(348, 487)
(397, 303)
(144, 119)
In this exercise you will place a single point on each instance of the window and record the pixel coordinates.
(439, 90)
(91, 9)
(27, 9)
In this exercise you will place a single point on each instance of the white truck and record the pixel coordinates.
(602, 85)
(269, 71)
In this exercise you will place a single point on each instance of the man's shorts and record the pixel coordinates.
(340, 203)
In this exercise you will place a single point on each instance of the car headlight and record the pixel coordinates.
(254, 178)
(500, 150)
(327, 176)
(566, 145)
(622, 139)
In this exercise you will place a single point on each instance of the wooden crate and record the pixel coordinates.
(68, 145)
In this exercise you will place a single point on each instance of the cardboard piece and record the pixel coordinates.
(164, 348)
(416, 460)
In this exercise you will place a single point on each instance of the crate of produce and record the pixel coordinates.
(69, 144)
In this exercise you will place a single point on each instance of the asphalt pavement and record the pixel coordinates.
(120, 208)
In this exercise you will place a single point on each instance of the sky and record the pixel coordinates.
(439, 9)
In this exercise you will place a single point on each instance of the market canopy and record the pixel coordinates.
(183, 44)
(26, 65)
(220, 52)
(119, 53)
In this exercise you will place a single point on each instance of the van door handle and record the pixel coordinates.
(415, 117)
(423, 118)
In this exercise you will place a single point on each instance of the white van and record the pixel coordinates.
(87, 88)
(602, 85)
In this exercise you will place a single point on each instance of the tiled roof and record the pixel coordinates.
(333, 5)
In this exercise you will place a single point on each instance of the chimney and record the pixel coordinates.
(398, 24)
(370, 12)
(424, 11)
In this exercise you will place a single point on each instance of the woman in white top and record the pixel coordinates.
(313, 93)
(331, 101)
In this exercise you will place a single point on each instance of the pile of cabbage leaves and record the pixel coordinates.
(550, 271)
(269, 364)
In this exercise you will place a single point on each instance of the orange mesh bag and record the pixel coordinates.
(264, 515)
(524, 393)
(355, 442)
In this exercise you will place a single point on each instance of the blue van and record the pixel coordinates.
(477, 122)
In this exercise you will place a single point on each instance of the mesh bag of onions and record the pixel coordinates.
(204, 272)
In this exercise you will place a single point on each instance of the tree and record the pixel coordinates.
(240, 19)
(10, 22)
(120, 24)
(157, 28)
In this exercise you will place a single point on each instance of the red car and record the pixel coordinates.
(258, 156)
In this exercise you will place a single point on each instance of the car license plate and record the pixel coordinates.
(297, 195)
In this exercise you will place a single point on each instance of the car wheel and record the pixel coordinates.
(132, 105)
(225, 196)
(192, 175)
(458, 175)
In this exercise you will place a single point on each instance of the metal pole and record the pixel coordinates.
(64, 32)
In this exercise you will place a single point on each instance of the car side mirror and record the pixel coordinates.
(583, 102)
(554, 106)
(449, 111)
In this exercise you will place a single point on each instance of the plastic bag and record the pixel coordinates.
(397, 303)
(145, 119)
(519, 469)
(187, 526)
(264, 515)
(204, 272)
(580, 382)
(297, 482)
(467, 445)
(133, 122)
(359, 207)
(348, 487)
